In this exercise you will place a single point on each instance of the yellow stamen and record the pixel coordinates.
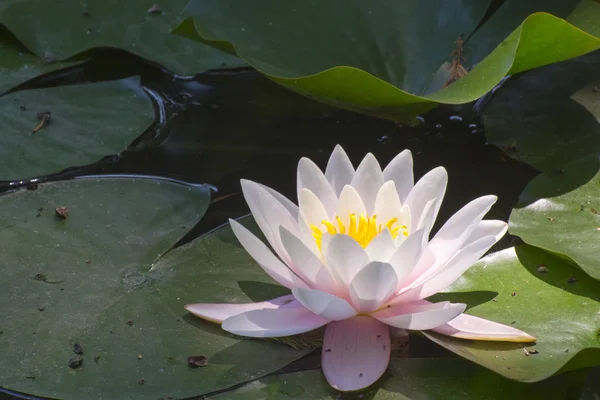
(361, 228)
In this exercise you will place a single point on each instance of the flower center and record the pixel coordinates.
(361, 228)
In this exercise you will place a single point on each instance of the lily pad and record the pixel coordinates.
(557, 304)
(87, 284)
(409, 378)
(87, 122)
(58, 30)
(560, 212)
(390, 52)
(550, 116)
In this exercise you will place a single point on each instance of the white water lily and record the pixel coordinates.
(357, 257)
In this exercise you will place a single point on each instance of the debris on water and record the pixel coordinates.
(472, 126)
(139, 356)
(155, 9)
(75, 361)
(77, 349)
(438, 126)
(141, 381)
(572, 279)
(197, 361)
(455, 118)
(41, 308)
(541, 269)
(32, 186)
(62, 212)
(44, 118)
(130, 323)
(529, 352)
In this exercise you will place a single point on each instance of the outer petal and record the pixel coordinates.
(466, 326)
(274, 322)
(345, 258)
(367, 181)
(488, 228)
(339, 171)
(432, 186)
(312, 178)
(287, 203)
(307, 264)
(418, 316)
(324, 304)
(400, 170)
(356, 352)
(373, 286)
(263, 256)
(349, 203)
(382, 247)
(220, 312)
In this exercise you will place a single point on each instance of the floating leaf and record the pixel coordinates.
(58, 30)
(559, 307)
(91, 273)
(379, 58)
(560, 211)
(74, 125)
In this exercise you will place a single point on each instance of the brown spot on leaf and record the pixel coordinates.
(130, 323)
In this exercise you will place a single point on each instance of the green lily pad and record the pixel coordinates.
(409, 378)
(87, 122)
(390, 52)
(88, 280)
(560, 212)
(58, 30)
(559, 307)
(550, 116)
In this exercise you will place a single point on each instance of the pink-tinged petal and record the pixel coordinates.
(274, 322)
(324, 304)
(345, 258)
(382, 247)
(406, 258)
(311, 177)
(307, 264)
(488, 228)
(287, 203)
(368, 180)
(419, 316)
(449, 272)
(373, 286)
(277, 270)
(269, 214)
(459, 227)
(432, 186)
(220, 312)
(312, 210)
(400, 170)
(349, 203)
(387, 204)
(339, 171)
(356, 353)
(466, 326)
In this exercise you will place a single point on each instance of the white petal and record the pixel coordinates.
(382, 247)
(406, 258)
(373, 286)
(274, 323)
(432, 186)
(368, 180)
(312, 178)
(324, 304)
(345, 257)
(263, 256)
(269, 214)
(466, 326)
(488, 228)
(387, 204)
(349, 203)
(218, 312)
(418, 316)
(459, 227)
(400, 170)
(312, 210)
(287, 203)
(339, 171)
(307, 264)
(356, 352)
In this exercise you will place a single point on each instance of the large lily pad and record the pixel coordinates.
(59, 29)
(407, 379)
(87, 280)
(560, 212)
(87, 122)
(559, 307)
(390, 52)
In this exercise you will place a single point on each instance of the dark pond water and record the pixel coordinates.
(221, 126)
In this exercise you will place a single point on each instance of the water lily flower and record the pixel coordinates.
(357, 257)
